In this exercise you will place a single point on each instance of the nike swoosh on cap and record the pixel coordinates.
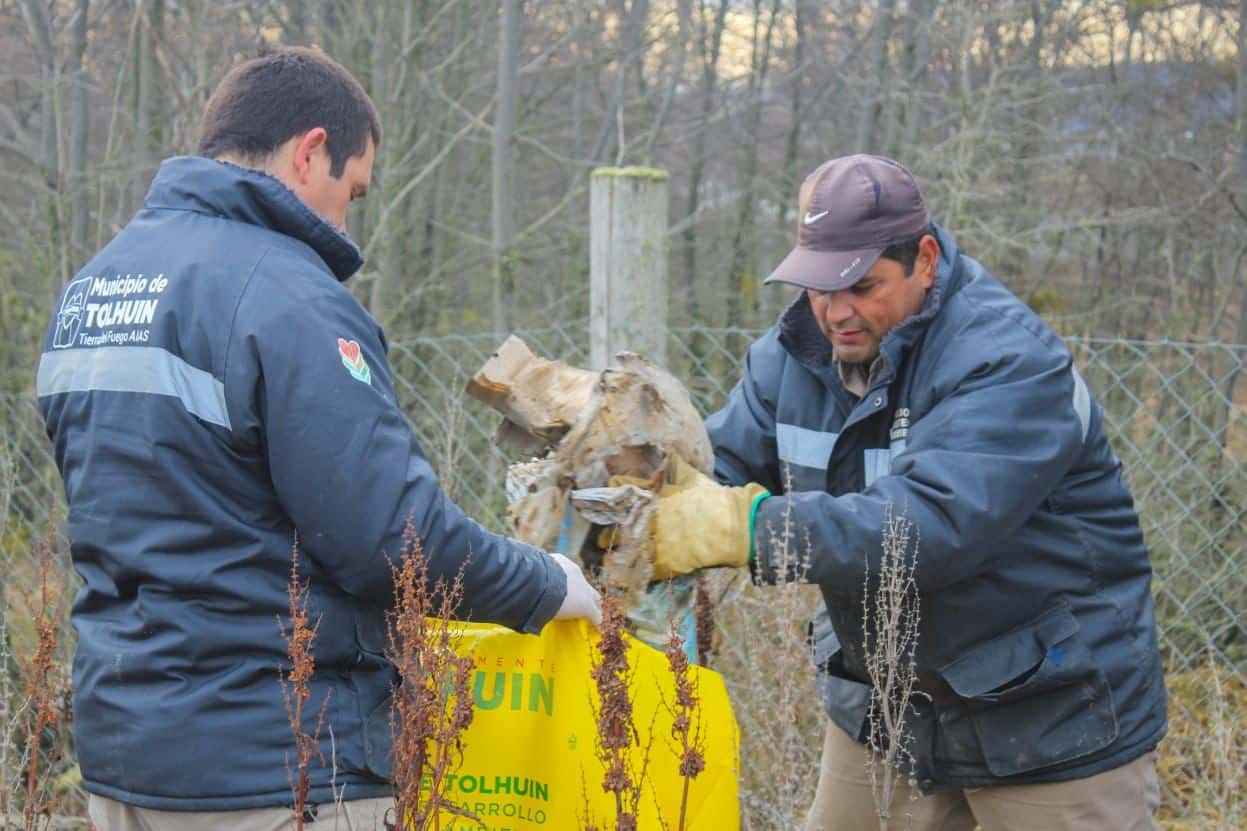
(810, 218)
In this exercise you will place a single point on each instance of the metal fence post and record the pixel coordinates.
(627, 263)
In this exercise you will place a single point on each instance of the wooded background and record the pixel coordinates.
(1090, 152)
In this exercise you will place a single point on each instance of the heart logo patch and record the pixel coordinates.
(354, 361)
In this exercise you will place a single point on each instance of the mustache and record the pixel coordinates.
(851, 326)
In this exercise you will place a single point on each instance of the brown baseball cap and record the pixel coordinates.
(851, 209)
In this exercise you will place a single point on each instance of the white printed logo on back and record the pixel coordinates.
(73, 308)
(108, 311)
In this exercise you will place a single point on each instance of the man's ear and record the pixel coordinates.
(305, 148)
(928, 260)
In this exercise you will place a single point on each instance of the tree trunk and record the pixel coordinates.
(792, 145)
(634, 43)
(711, 40)
(143, 91)
(676, 78)
(902, 131)
(437, 295)
(49, 162)
(631, 48)
(148, 104)
(384, 269)
(1240, 126)
(41, 35)
(1240, 116)
(877, 84)
(504, 127)
(327, 21)
(743, 282)
(296, 23)
(789, 176)
(1029, 112)
(580, 75)
(77, 167)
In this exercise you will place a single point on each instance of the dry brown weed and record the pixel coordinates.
(296, 690)
(686, 718)
(433, 699)
(41, 688)
(616, 732)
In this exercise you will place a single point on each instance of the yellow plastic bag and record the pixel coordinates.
(530, 755)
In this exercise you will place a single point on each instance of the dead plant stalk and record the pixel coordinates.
(433, 700)
(686, 719)
(891, 615)
(616, 732)
(39, 685)
(7, 477)
(296, 690)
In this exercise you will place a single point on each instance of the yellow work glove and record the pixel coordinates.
(698, 522)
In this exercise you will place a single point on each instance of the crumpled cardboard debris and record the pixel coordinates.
(582, 428)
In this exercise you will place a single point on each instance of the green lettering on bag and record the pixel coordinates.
(540, 692)
(478, 689)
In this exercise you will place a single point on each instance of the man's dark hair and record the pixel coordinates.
(284, 92)
(905, 252)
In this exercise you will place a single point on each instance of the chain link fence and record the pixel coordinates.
(1176, 414)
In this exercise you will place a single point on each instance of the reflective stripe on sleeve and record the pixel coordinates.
(1082, 402)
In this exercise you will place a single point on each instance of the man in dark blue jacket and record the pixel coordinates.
(214, 393)
(906, 379)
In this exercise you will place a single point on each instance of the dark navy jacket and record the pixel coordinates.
(212, 389)
(1037, 648)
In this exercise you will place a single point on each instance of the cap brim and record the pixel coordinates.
(824, 270)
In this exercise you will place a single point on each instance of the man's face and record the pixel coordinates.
(330, 196)
(303, 165)
(856, 319)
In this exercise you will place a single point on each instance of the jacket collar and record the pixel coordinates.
(193, 183)
(800, 334)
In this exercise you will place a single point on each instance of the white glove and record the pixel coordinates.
(582, 600)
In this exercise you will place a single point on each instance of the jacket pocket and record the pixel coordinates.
(845, 698)
(1033, 697)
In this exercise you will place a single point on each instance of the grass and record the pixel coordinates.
(1203, 761)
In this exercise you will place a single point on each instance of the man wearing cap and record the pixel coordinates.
(906, 379)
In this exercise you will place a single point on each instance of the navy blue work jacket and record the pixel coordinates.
(212, 390)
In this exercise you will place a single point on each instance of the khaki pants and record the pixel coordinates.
(355, 815)
(1122, 799)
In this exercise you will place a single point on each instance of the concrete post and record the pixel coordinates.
(627, 263)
